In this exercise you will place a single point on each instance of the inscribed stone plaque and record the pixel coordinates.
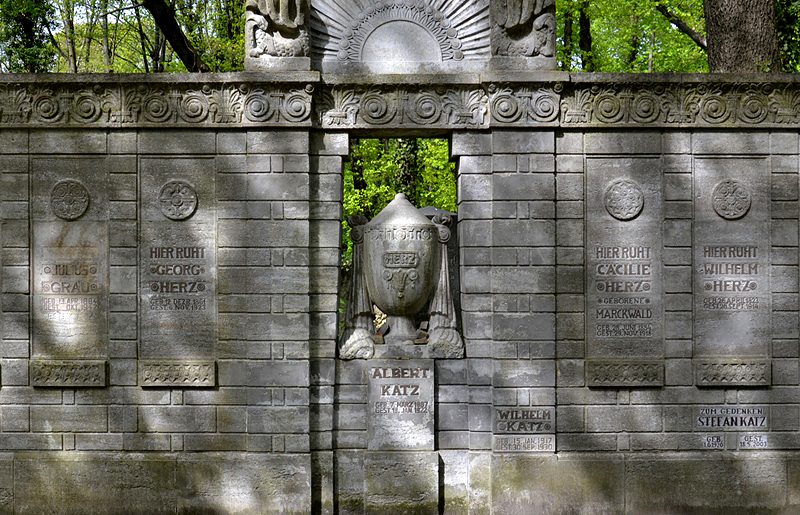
(753, 441)
(732, 307)
(401, 405)
(624, 306)
(524, 443)
(524, 420)
(177, 289)
(716, 441)
(732, 418)
(177, 271)
(524, 429)
(70, 290)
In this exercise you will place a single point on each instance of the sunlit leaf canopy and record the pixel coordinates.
(630, 36)
(96, 36)
(121, 36)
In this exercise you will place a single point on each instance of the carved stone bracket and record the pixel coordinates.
(68, 373)
(197, 374)
(732, 372)
(618, 373)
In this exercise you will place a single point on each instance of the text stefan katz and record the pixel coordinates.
(732, 418)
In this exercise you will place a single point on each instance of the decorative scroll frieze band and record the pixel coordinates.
(461, 107)
(700, 104)
(197, 374)
(733, 372)
(68, 373)
(127, 105)
(616, 373)
(438, 103)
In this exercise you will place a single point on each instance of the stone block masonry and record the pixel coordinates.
(170, 256)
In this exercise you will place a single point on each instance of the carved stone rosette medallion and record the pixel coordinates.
(178, 200)
(624, 199)
(731, 199)
(69, 199)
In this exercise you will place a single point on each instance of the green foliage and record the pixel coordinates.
(435, 183)
(216, 29)
(787, 22)
(631, 36)
(24, 26)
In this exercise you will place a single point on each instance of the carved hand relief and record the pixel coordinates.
(624, 199)
(69, 199)
(523, 28)
(731, 199)
(178, 200)
(276, 28)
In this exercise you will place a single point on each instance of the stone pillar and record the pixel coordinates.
(328, 153)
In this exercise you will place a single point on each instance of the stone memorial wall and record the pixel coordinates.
(172, 340)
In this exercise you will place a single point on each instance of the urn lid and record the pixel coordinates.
(401, 212)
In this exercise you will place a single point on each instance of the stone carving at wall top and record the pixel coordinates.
(277, 28)
(524, 28)
(373, 104)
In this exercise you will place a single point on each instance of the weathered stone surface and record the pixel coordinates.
(401, 482)
(625, 311)
(594, 485)
(732, 253)
(247, 484)
(71, 484)
(651, 488)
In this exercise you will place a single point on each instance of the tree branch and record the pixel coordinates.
(683, 27)
(164, 17)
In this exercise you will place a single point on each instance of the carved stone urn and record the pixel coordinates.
(400, 266)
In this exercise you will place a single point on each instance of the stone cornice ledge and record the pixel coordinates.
(438, 102)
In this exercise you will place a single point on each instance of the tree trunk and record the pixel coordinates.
(634, 41)
(164, 17)
(407, 168)
(741, 36)
(104, 29)
(67, 17)
(585, 38)
(566, 64)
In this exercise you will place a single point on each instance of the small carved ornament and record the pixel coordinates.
(276, 28)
